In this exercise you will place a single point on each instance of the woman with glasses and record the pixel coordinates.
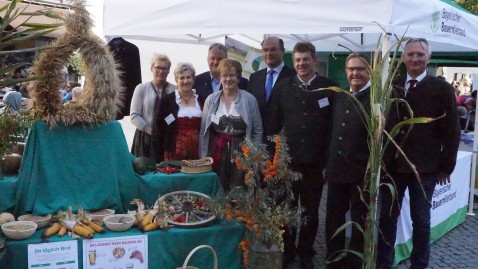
(176, 132)
(145, 102)
(229, 116)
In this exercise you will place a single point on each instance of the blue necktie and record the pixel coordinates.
(269, 83)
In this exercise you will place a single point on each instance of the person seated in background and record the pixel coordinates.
(67, 94)
(456, 87)
(76, 93)
(12, 101)
(467, 118)
(176, 132)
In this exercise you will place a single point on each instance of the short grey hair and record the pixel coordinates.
(160, 57)
(181, 67)
(220, 47)
(420, 40)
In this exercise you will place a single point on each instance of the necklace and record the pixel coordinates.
(186, 100)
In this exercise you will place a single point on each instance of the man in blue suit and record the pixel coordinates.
(209, 81)
(260, 86)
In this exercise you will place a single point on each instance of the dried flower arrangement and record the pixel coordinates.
(263, 203)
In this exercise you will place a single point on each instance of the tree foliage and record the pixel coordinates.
(470, 5)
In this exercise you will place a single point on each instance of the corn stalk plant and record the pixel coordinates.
(381, 101)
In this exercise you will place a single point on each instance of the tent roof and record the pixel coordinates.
(324, 22)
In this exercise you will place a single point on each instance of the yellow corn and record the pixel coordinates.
(55, 228)
(147, 219)
(80, 230)
(87, 227)
(97, 228)
(151, 226)
(62, 231)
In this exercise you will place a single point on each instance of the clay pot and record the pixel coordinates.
(11, 163)
(20, 148)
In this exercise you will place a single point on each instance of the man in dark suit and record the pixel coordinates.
(347, 165)
(209, 82)
(262, 83)
(431, 147)
(305, 116)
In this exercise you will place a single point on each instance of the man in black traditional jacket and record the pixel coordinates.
(305, 115)
(347, 165)
(431, 147)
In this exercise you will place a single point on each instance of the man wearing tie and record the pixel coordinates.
(431, 147)
(262, 82)
(208, 82)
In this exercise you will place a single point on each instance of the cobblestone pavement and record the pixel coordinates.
(458, 249)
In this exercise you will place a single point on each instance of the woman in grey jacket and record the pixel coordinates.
(229, 116)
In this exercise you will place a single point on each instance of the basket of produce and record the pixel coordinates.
(197, 166)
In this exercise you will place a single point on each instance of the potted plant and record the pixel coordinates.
(14, 125)
(263, 203)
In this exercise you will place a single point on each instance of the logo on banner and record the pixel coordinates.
(451, 22)
(434, 20)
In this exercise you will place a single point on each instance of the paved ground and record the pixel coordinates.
(458, 249)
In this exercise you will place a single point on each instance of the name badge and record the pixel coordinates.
(323, 102)
(215, 119)
(169, 119)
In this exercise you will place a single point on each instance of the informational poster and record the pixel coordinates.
(249, 57)
(127, 252)
(57, 255)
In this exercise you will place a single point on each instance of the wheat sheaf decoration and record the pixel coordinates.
(99, 101)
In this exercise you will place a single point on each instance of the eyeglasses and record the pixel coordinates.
(229, 76)
(161, 68)
(358, 69)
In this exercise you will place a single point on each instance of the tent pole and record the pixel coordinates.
(473, 169)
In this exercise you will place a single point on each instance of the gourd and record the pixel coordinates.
(6, 217)
(141, 165)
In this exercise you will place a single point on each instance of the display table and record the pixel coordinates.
(153, 185)
(167, 249)
(7, 193)
(150, 185)
(449, 207)
(88, 164)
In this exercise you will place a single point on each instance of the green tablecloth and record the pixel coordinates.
(167, 249)
(153, 185)
(7, 193)
(88, 164)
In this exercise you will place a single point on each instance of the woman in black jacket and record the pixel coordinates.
(179, 118)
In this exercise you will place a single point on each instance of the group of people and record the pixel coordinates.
(211, 113)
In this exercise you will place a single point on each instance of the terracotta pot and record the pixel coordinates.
(11, 163)
(20, 148)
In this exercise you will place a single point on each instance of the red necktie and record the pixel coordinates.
(412, 83)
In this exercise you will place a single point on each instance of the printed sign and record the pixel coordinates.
(127, 252)
(58, 255)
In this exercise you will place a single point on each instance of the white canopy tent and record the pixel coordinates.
(326, 23)
(199, 21)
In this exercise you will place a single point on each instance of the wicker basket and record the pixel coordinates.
(185, 264)
(197, 166)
